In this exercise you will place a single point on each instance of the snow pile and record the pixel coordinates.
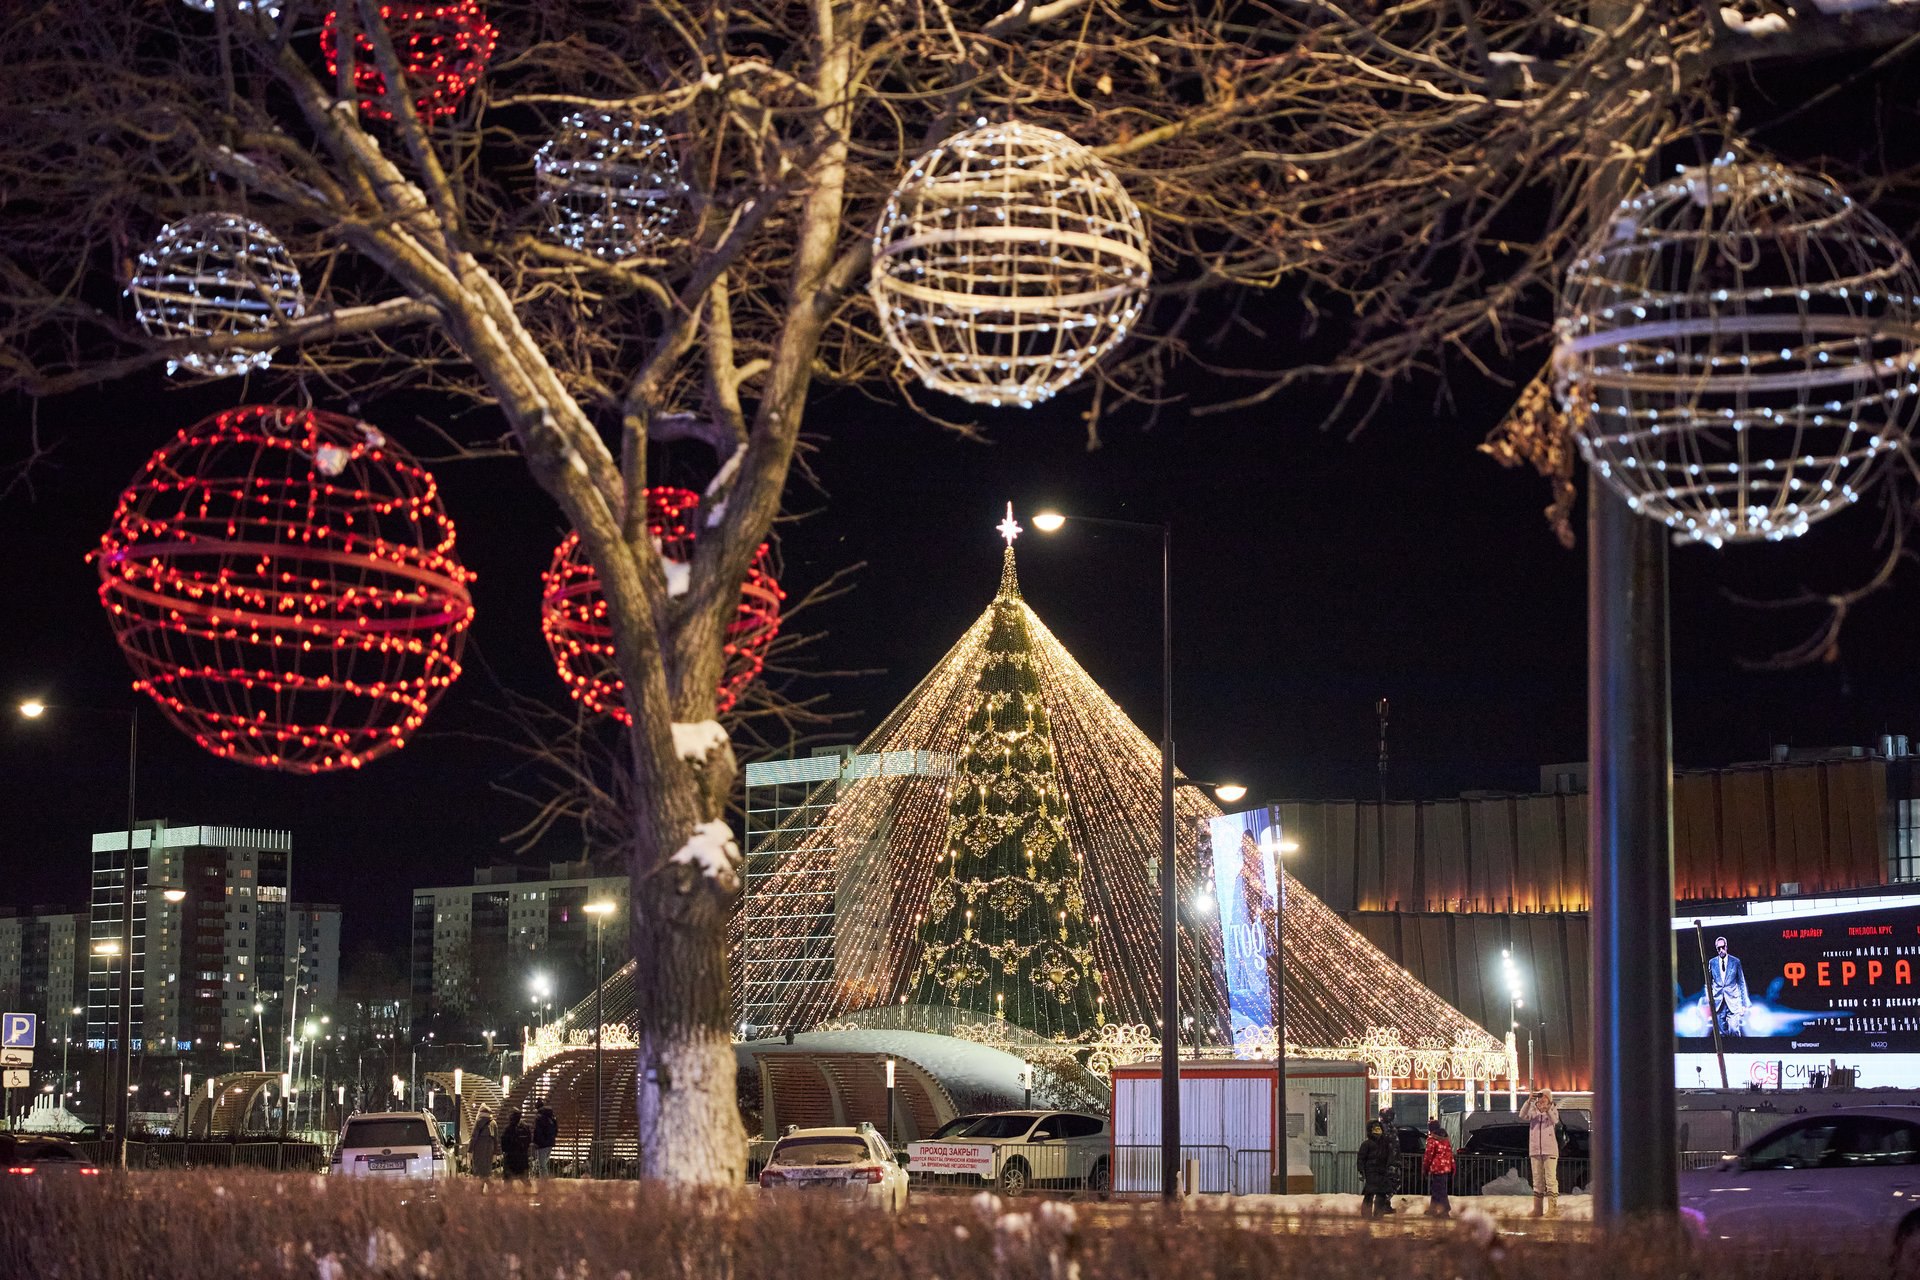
(1765, 25)
(679, 572)
(1509, 1183)
(711, 848)
(695, 742)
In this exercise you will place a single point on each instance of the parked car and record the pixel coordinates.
(1015, 1150)
(24, 1155)
(1494, 1149)
(1847, 1179)
(391, 1144)
(855, 1163)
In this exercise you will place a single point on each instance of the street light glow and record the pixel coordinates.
(174, 895)
(1049, 521)
(1230, 792)
(32, 709)
(107, 947)
(600, 908)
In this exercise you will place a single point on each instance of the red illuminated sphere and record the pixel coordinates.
(443, 48)
(573, 612)
(284, 584)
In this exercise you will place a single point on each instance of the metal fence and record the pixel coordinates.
(1048, 1166)
(1138, 1168)
(274, 1156)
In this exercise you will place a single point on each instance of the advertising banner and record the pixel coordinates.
(1799, 990)
(950, 1157)
(1246, 893)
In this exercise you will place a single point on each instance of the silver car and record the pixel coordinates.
(1848, 1178)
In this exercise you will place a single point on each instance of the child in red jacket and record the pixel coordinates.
(1438, 1166)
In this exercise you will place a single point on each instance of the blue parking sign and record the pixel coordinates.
(17, 1030)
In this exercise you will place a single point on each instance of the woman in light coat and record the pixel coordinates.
(1543, 1146)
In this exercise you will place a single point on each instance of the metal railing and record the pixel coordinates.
(1137, 1169)
(1044, 1166)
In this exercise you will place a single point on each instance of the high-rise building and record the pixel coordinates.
(43, 965)
(232, 941)
(482, 951)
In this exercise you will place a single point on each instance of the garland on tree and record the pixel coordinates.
(1007, 932)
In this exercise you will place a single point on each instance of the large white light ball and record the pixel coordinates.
(214, 275)
(1007, 262)
(610, 186)
(1737, 349)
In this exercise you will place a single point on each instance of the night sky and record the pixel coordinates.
(1313, 574)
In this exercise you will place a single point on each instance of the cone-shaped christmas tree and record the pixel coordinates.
(1007, 932)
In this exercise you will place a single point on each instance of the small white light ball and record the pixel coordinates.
(610, 186)
(1007, 262)
(1738, 349)
(215, 275)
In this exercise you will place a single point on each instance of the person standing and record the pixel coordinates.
(1543, 1147)
(516, 1147)
(1438, 1165)
(480, 1145)
(1377, 1173)
(546, 1134)
(1726, 995)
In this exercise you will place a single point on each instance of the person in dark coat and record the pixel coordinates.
(516, 1147)
(546, 1135)
(480, 1146)
(1378, 1176)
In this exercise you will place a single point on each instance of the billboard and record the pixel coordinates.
(1246, 892)
(1799, 988)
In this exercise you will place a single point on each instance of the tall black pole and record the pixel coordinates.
(1713, 1018)
(1278, 980)
(1169, 903)
(599, 981)
(124, 1078)
(1630, 839)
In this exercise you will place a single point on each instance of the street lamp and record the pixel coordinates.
(66, 1040)
(1516, 1000)
(599, 910)
(34, 709)
(260, 1032)
(1053, 522)
(1275, 847)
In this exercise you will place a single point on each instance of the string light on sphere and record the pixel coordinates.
(215, 275)
(442, 49)
(610, 186)
(269, 8)
(1738, 349)
(573, 611)
(1007, 262)
(285, 585)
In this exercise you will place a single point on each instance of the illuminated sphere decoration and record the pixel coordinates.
(215, 275)
(442, 47)
(1007, 262)
(271, 8)
(284, 584)
(1737, 350)
(573, 611)
(610, 186)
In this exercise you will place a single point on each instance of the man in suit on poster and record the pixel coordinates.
(1726, 994)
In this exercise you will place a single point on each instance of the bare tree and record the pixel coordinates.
(1411, 171)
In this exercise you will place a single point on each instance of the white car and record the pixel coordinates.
(1015, 1150)
(855, 1164)
(1848, 1178)
(391, 1144)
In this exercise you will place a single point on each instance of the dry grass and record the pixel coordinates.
(209, 1226)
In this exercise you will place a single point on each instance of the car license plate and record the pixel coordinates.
(387, 1162)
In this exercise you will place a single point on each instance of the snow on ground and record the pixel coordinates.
(1576, 1208)
(696, 742)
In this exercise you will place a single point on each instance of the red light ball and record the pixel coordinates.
(284, 584)
(443, 49)
(573, 613)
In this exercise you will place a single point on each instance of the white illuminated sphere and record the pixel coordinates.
(271, 8)
(215, 275)
(1738, 349)
(1007, 262)
(610, 186)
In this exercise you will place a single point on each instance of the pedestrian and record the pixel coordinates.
(1438, 1164)
(546, 1133)
(480, 1145)
(1543, 1147)
(516, 1146)
(1379, 1174)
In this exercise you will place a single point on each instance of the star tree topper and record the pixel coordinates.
(1009, 528)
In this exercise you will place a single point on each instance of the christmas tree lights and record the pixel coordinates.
(610, 186)
(284, 584)
(442, 49)
(215, 275)
(1007, 262)
(573, 611)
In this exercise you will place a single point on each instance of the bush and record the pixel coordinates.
(210, 1226)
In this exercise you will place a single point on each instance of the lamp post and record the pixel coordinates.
(33, 710)
(65, 1041)
(1275, 848)
(1052, 522)
(599, 911)
(260, 1032)
(109, 948)
(1516, 1001)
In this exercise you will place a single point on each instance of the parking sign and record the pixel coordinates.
(17, 1030)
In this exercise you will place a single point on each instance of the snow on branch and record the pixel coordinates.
(695, 742)
(711, 848)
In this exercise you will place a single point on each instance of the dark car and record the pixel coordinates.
(1493, 1149)
(1413, 1142)
(33, 1155)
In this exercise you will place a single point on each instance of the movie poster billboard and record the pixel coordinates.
(1246, 893)
(1798, 990)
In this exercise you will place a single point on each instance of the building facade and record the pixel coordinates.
(43, 966)
(202, 964)
(495, 954)
(1445, 886)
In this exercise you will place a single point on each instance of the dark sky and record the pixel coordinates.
(1313, 575)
